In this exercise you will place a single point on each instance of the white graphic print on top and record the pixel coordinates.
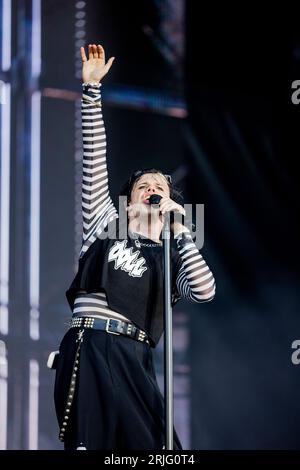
(127, 259)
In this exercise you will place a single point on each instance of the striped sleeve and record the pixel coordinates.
(97, 207)
(194, 280)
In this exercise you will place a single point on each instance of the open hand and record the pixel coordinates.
(94, 68)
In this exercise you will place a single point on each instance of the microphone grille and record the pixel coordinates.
(155, 199)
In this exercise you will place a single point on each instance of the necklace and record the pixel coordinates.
(138, 244)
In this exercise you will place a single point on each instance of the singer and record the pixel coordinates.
(106, 393)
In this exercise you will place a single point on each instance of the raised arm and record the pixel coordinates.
(97, 207)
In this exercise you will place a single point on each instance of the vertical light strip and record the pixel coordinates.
(79, 40)
(34, 264)
(79, 34)
(3, 396)
(36, 39)
(4, 206)
(33, 404)
(6, 35)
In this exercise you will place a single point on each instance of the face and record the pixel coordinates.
(148, 184)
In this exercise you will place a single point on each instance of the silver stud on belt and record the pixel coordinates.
(89, 322)
(76, 322)
(141, 336)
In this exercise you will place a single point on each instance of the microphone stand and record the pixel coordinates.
(168, 338)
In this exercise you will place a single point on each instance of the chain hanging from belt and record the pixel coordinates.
(72, 387)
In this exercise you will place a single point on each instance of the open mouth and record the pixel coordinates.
(146, 200)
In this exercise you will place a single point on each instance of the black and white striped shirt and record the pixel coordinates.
(194, 281)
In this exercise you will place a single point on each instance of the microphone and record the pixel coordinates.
(155, 199)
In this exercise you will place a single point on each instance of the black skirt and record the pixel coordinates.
(106, 393)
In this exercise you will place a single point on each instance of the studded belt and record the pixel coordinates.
(111, 325)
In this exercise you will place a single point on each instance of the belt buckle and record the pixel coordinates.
(106, 328)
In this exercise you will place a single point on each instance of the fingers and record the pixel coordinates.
(109, 64)
(83, 56)
(101, 53)
(95, 51)
(91, 51)
(169, 205)
(165, 203)
(166, 207)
